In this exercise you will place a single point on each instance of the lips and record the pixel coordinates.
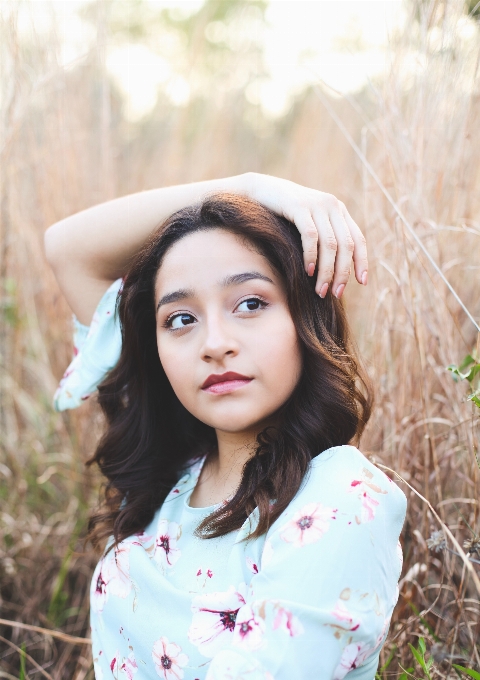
(226, 382)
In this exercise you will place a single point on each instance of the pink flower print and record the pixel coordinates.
(112, 577)
(365, 481)
(286, 621)
(166, 551)
(141, 538)
(100, 581)
(249, 629)
(213, 621)
(119, 571)
(251, 565)
(363, 486)
(128, 667)
(114, 664)
(382, 633)
(307, 525)
(209, 573)
(368, 508)
(341, 613)
(168, 659)
(353, 656)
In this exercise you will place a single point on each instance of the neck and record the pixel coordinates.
(234, 450)
(222, 472)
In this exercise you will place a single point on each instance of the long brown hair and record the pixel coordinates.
(150, 437)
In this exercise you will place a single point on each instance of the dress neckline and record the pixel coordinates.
(195, 473)
(197, 467)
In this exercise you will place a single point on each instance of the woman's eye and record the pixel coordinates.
(180, 321)
(251, 305)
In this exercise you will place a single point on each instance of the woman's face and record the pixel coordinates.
(225, 336)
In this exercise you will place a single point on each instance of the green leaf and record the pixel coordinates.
(456, 372)
(468, 671)
(473, 372)
(475, 397)
(459, 371)
(466, 362)
(422, 646)
(417, 655)
(463, 376)
(23, 667)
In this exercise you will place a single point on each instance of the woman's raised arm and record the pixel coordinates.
(92, 248)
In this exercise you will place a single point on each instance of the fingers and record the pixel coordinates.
(360, 258)
(327, 251)
(340, 239)
(345, 248)
(330, 235)
(308, 231)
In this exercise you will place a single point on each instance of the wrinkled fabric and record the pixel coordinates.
(96, 350)
(312, 598)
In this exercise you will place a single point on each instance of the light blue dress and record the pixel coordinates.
(310, 600)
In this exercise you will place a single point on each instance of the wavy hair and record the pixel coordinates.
(150, 437)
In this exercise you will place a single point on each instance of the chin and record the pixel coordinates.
(235, 424)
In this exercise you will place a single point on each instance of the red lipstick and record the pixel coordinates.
(224, 383)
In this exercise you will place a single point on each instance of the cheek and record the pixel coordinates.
(177, 368)
(279, 353)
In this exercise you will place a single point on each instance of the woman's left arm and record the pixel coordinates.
(93, 248)
(321, 603)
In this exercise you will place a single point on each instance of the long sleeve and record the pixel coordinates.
(96, 351)
(321, 602)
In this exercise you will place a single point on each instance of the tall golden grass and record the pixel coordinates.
(66, 145)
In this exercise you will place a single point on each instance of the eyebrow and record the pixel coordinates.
(233, 280)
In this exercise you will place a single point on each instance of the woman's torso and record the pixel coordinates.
(165, 602)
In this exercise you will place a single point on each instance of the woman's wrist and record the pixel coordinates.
(236, 184)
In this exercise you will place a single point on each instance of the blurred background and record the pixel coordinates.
(375, 101)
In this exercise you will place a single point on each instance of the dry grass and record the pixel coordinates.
(67, 145)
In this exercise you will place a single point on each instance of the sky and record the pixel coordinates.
(343, 43)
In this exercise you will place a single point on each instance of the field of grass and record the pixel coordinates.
(412, 181)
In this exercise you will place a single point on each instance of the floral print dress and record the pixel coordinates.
(311, 599)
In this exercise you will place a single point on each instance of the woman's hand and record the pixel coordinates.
(330, 236)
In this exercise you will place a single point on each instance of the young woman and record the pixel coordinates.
(246, 537)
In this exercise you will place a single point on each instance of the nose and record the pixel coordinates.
(219, 341)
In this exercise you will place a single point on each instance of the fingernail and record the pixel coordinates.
(310, 269)
(339, 291)
(323, 290)
(365, 278)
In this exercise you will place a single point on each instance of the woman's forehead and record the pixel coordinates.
(210, 256)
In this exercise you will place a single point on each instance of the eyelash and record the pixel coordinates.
(169, 320)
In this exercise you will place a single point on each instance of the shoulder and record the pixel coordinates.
(344, 503)
(343, 477)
